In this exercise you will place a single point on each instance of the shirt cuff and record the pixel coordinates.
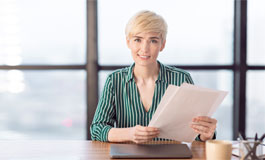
(198, 138)
(104, 133)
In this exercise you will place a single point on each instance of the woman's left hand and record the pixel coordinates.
(205, 126)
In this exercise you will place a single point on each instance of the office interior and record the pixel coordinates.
(55, 56)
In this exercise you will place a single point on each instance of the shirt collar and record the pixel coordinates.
(161, 75)
(130, 73)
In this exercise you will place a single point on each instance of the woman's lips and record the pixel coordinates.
(144, 57)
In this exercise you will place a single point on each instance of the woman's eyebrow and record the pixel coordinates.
(154, 38)
(148, 37)
(137, 37)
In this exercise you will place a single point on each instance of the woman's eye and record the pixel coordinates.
(154, 41)
(137, 40)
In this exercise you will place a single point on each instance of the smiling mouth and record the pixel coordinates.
(144, 57)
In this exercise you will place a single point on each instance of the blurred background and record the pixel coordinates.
(46, 69)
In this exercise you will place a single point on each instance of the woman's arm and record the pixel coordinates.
(104, 117)
(137, 134)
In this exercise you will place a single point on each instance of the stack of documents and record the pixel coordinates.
(179, 105)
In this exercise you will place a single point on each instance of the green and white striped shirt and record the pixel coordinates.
(120, 105)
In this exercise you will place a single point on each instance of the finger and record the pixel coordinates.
(206, 124)
(205, 119)
(201, 132)
(201, 128)
(137, 137)
(197, 131)
(141, 141)
(201, 118)
(204, 132)
(144, 137)
(149, 129)
(206, 136)
(209, 130)
(144, 133)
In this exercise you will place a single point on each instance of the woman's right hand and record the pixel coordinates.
(141, 134)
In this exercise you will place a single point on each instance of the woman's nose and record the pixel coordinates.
(145, 47)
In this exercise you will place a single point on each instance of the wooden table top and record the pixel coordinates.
(70, 150)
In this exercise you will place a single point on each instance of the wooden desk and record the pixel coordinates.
(70, 150)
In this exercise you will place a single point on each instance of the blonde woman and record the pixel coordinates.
(131, 95)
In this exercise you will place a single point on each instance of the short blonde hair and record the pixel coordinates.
(146, 21)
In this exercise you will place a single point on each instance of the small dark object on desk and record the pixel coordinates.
(150, 151)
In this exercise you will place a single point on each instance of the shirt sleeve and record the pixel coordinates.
(198, 138)
(188, 79)
(104, 117)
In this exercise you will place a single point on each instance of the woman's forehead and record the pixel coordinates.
(147, 34)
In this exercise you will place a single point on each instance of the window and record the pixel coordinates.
(255, 103)
(42, 32)
(256, 33)
(256, 64)
(42, 104)
(48, 100)
(199, 32)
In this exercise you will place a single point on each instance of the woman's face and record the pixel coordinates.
(145, 47)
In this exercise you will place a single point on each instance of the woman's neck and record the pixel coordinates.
(146, 73)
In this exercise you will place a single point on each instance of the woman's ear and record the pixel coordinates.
(163, 45)
(128, 42)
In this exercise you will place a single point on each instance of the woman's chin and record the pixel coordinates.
(145, 63)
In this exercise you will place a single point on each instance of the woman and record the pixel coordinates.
(131, 95)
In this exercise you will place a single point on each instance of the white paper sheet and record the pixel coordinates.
(179, 105)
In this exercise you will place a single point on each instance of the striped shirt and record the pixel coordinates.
(120, 105)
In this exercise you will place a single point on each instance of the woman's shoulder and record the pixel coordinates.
(121, 73)
(176, 76)
(172, 69)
